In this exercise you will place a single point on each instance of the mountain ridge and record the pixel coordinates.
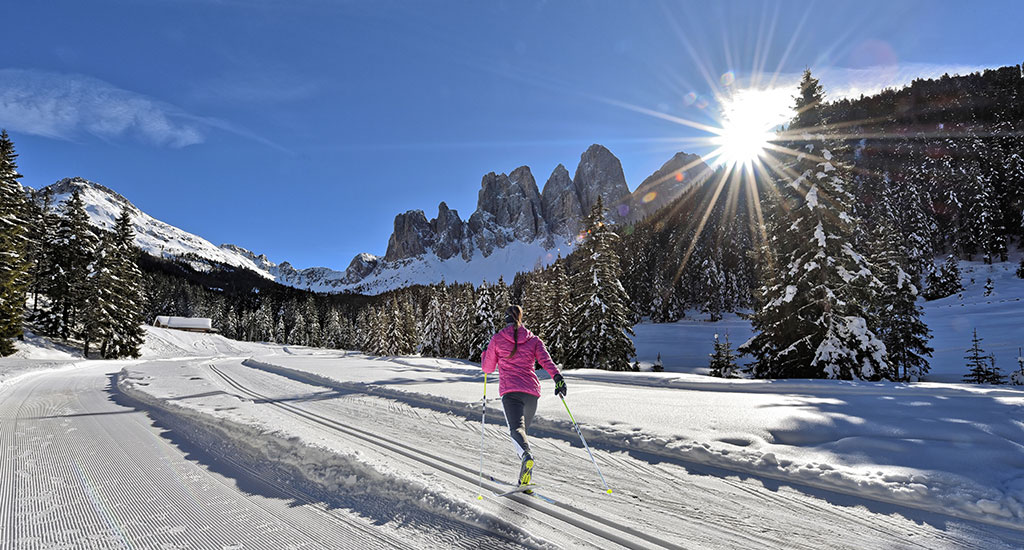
(530, 227)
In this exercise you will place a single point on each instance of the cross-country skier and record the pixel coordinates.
(513, 351)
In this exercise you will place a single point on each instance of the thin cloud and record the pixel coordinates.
(67, 106)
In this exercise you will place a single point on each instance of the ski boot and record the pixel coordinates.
(526, 472)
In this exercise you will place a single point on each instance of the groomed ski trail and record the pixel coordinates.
(574, 517)
(78, 469)
(685, 505)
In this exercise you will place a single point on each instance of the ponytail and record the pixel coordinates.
(514, 315)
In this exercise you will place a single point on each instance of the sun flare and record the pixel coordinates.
(749, 120)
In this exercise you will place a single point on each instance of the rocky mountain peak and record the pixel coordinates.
(599, 173)
(680, 173)
(561, 203)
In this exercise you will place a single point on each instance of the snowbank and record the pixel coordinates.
(952, 449)
(34, 354)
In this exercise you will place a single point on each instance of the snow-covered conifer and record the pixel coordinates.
(813, 317)
(557, 326)
(600, 306)
(483, 322)
(896, 313)
(723, 360)
(14, 263)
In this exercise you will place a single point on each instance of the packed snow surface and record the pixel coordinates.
(394, 441)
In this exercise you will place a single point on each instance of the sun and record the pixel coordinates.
(748, 122)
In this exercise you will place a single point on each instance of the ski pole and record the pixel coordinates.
(483, 418)
(580, 433)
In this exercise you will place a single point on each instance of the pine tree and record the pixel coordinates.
(99, 318)
(333, 336)
(263, 322)
(13, 247)
(946, 282)
(394, 333)
(463, 315)
(43, 242)
(501, 300)
(483, 323)
(125, 335)
(723, 360)
(297, 335)
(814, 307)
(657, 367)
(409, 334)
(67, 277)
(376, 338)
(436, 335)
(599, 302)
(311, 313)
(994, 374)
(279, 330)
(896, 313)
(557, 327)
(977, 362)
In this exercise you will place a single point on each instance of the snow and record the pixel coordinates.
(812, 197)
(896, 443)
(37, 354)
(819, 235)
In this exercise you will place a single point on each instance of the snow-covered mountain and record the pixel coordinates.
(516, 227)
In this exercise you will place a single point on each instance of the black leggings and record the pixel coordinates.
(519, 410)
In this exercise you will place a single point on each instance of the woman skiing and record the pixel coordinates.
(513, 351)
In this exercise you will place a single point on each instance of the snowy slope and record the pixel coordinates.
(151, 235)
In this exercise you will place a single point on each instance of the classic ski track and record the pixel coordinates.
(87, 486)
(468, 475)
(891, 530)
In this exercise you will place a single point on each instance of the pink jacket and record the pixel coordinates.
(516, 373)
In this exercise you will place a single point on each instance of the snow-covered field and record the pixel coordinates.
(693, 461)
(948, 449)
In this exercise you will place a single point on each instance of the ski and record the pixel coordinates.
(518, 489)
(535, 494)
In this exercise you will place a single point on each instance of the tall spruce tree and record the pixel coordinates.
(814, 311)
(483, 322)
(13, 247)
(128, 335)
(67, 277)
(557, 326)
(896, 313)
(600, 306)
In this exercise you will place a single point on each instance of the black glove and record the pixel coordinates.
(559, 385)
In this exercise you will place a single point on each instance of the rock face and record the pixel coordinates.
(412, 236)
(510, 207)
(680, 173)
(561, 204)
(600, 174)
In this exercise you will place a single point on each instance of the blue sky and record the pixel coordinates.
(300, 128)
